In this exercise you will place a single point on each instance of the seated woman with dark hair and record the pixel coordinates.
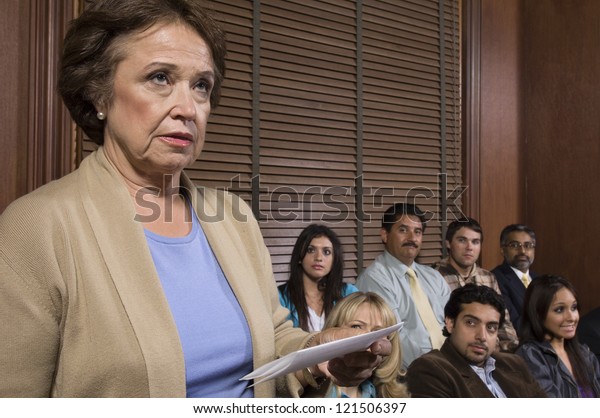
(316, 278)
(563, 367)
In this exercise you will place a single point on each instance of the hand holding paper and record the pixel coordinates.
(318, 354)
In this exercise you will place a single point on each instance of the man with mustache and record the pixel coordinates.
(517, 245)
(468, 365)
(416, 293)
(464, 238)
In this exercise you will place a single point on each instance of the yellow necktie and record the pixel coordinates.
(425, 312)
(525, 280)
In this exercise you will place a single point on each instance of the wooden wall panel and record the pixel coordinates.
(37, 133)
(533, 131)
(501, 161)
(50, 132)
(562, 108)
(13, 100)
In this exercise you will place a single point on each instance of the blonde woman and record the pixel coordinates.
(369, 312)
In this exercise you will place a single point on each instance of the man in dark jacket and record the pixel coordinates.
(468, 364)
(517, 244)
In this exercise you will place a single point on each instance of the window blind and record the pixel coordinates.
(331, 111)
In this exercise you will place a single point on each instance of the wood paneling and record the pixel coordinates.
(50, 133)
(502, 177)
(562, 127)
(533, 131)
(13, 100)
(37, 136)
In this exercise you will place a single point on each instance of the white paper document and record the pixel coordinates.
(318, 354)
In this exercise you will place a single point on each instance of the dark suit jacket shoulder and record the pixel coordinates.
(445, 373)
(513, 291)
(588, 331)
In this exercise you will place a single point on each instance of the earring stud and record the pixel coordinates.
(101, 115)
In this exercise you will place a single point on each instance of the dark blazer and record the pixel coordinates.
(513, 291)
(445, 373)
(588, 331)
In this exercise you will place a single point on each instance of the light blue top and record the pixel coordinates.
(284, 300)
(386, 276)
(485, 374)
(213, 330)
(367, 390)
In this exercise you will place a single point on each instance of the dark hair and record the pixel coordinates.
(91, 53)
(332, 284)
(515, 228)
(396, 211)
(538, 298)
(470, 223)
(471, 293)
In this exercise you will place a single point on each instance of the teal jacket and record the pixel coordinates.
(284, 299)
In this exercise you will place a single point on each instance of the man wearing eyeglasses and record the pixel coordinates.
(517, 245)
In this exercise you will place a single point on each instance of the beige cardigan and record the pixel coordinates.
(82, 311)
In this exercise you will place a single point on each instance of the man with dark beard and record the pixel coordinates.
(416, 293)
(468, 364)
(517, 244)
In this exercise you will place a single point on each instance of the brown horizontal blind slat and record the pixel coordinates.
(453, 109)
(308, 124)
(226, 160)
(402, 108)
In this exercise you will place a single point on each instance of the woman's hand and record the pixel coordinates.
(351, 369)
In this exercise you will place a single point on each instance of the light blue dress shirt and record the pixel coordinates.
(485, 374)
(386, 276)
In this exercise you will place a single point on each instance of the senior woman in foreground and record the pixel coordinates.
(122, 279)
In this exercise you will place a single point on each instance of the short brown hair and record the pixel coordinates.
(89, 60)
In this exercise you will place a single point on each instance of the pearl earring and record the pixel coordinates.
(101, 116)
